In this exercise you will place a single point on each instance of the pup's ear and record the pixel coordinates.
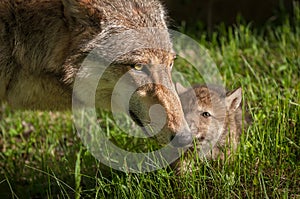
(180, 89)
(234, 99)
(81, 12)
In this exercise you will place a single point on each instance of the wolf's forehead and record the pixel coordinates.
(148, 56)
(158, 56)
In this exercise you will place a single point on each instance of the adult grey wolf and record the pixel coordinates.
(44, 42)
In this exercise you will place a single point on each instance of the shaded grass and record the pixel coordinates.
(41, 155)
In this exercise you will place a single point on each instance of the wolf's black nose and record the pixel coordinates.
(181, 140)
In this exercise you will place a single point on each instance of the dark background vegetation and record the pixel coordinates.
(207, 14)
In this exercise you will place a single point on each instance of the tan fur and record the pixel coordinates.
(215, 134)
(44, 42)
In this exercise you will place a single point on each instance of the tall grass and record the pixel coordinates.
(41, 155)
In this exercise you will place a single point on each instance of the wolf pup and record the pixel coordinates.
(215, 119)
(44, 42)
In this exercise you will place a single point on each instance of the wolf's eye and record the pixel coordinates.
(171, 65)
(206, 114)
(138, 67)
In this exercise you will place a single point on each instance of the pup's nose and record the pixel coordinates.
(181, 140)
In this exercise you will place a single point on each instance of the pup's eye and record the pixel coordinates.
(138, 67)
(206, 114)
(171, 65)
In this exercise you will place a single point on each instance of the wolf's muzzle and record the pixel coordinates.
(182, 140)
(136, 119)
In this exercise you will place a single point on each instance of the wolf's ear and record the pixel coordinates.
(80, 12)
(180, 89)
(234, 99)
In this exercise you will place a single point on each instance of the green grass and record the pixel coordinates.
(42, 157)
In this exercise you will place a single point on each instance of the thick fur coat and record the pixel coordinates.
(44, 42)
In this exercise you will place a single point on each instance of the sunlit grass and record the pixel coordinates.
(42, 156)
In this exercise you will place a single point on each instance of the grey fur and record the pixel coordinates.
(44, 42)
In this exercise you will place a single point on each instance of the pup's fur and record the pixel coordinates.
(44, 42)
(215, 119)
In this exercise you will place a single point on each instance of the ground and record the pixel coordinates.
(41, 155)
